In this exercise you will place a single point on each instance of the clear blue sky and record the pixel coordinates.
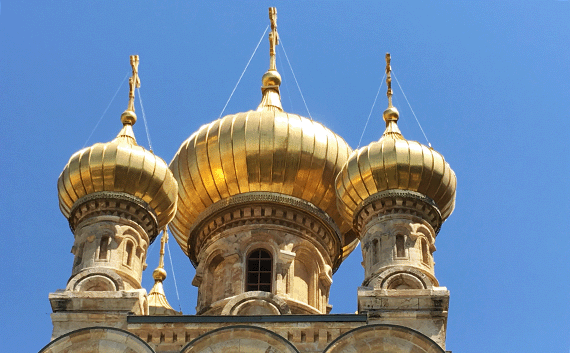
(489, 82)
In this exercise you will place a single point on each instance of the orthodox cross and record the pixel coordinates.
(134, 81)
(389, 79)
(273, 37)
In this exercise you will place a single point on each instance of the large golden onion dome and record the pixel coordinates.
(394, 163)
(120, 166)
(266, 150)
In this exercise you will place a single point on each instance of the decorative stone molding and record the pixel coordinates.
(383, 277)
(384, 338)
(256, 303)
(98, 340)
(240, 338)
(400, 202)
(103, 277)
(119, 204)
(270, 209)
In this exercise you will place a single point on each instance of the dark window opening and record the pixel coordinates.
(259, 265)
(103, 248)
(425, 256)
(400, 252)
(129, 253)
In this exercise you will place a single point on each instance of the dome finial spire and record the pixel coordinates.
(391, 114)
(157, 303)
(271, 80)
(129, 117)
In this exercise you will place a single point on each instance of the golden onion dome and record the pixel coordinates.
(120, 166)
(266, 150)
(394, 163)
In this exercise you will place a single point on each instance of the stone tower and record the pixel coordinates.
(117, 196)
(397, 193)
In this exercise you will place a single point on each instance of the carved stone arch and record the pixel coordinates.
(267, 244)
(302, 249)
(256, 303)
(241, 339)
(403, 228)
(375, 228)
(213, 290)
(97, 340)
(414, 277)
(383, 338)
(96, 279)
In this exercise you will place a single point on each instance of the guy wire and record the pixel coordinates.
(295, 77)
(102, 115)
(420, 125)
(260, 39)
(144, 119)
(371, 109)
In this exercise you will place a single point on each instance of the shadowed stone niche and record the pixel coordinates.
(240, 338)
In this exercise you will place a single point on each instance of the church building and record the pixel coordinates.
(266, 205)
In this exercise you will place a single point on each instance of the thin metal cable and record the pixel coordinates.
(291, 67)
(420, 125)
(173, 275)
(260, 39)
(144, 119)
(286, 86)
(102, 115)
(371, 109)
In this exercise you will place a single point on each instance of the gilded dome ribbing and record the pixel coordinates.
(120, 166)
(256, 151)
(394, 163)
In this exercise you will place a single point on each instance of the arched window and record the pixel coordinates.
(375, 252)
(103, 247)
(259, 266)
(129, 249)
(79, 255)
(400, 251)
(425, 255)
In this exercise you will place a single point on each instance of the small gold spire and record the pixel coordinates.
(159, 274)
(271, 80)
(129, 116)
(391, 114)
(158, 305)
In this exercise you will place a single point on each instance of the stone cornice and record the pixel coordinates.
(398, 201)
(117, 204)
(265, 208)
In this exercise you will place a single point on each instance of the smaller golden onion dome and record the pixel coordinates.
(120, 166)
(394, 163)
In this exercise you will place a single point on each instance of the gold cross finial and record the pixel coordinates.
(273, 37)
(134, 81)
(389, 79)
